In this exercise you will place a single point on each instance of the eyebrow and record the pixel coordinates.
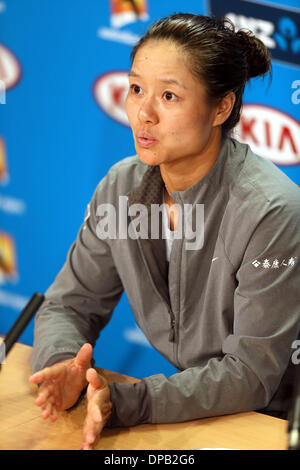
(168, 81)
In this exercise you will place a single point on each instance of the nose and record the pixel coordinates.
(147, 112)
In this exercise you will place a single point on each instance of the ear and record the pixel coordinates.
(224, 108)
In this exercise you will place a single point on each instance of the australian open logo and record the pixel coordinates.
(8, 270)
(123, 13)
(278, 27)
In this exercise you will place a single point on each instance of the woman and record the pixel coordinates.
(223, 310)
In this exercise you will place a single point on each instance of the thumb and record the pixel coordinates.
(84, 355)
(94, 379)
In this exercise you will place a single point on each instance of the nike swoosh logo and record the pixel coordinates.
(214, 259)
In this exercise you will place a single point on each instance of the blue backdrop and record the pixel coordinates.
(63, 67)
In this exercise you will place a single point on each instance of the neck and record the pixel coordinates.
(183, 173)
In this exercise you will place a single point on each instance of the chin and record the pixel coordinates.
(149, 157)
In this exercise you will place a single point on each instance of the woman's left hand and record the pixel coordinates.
(98, 408)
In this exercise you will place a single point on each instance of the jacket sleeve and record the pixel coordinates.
(256, 353)
(81, 300)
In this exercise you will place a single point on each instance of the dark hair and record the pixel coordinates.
(222, 58)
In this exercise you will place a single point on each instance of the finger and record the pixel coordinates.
(89, 437)
(94, 379)
(84, 355)
(48, 408)
(92, 427)
(86, 447)
(42, 398)
(35, 378)
(96, 413)
(45, 392)
(53, 415)
(49, 373)
(39, 376)
(47, 411)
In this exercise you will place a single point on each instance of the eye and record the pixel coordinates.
(135, 89)
(169, 96)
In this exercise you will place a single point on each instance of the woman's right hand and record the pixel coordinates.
(62, 383)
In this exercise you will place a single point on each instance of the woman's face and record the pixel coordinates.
(166, 106)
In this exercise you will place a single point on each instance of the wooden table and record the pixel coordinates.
(22, 428)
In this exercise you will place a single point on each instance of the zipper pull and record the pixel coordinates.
(172, 332)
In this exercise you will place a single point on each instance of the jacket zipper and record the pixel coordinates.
(172, 329)
(172, 318)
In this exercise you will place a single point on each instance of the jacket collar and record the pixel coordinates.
(150, 190)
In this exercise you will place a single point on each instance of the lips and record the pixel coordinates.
(146, 140)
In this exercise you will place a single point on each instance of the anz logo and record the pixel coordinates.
(277, 27)
(263, 29)
(287, 36)
(284, 34)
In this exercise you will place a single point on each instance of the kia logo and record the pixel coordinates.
(270, 133)
(10, 69)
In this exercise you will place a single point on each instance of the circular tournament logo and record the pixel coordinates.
(10, 68)
(110, 91)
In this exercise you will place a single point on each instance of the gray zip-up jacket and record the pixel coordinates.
(226, 314)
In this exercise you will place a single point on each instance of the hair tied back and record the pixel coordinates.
(256, 53)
